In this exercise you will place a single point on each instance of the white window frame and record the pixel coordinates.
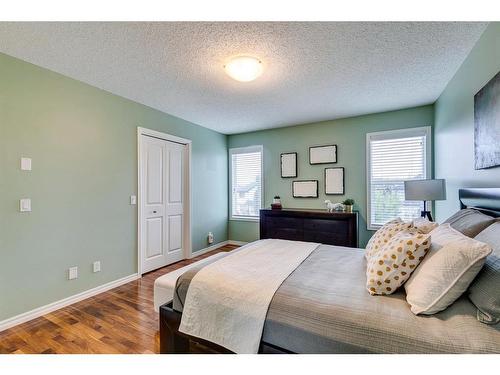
(392, 134)
(243, 150)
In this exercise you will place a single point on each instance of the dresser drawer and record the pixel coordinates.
(285, 234)
(284, 228)
(327, 238)
(284, 222)
(322, 225)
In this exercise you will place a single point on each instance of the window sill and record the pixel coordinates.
(243, 218)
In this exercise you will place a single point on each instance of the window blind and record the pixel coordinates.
(393, 158)
(246, 186)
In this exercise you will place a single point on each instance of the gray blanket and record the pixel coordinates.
(323, 307)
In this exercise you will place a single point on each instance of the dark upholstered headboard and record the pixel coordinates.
(486, 200)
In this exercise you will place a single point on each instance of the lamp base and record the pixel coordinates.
(426, 214)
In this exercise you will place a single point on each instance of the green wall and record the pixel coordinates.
(454, 123)
(349, 135)
(83, 142)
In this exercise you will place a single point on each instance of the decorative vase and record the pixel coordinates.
(348, 208)
(276, 205)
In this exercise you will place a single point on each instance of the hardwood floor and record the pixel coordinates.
(121, 320)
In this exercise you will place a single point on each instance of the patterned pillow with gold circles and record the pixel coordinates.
(395, 261)
(383, 235)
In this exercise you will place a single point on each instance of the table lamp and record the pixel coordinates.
(425, 190)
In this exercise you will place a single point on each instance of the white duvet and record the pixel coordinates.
(227, 301)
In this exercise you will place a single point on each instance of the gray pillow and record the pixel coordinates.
(469, 222)
(485, 290)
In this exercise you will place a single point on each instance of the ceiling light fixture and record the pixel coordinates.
(244, 68)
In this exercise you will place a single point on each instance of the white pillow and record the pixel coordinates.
(446, 272)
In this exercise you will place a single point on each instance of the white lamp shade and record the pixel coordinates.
(425, 190)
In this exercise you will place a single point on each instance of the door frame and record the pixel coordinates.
(186, 236)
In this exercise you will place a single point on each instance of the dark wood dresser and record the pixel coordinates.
(331, 228)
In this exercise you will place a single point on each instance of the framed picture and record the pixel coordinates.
(288, 162)
(305, 189)
(334, 181)
(487, 125)
(323, 154)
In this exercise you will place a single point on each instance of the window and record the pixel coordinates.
(246, 182)
(392, 158)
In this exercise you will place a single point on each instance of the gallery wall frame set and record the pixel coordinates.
(334, 176)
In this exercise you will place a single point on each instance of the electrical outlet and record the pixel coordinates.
(210, 238)
(97, 266)
(25, 205)
(73, 273)
(25, 164)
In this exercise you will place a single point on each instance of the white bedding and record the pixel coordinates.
(227, 301)
(164, 286)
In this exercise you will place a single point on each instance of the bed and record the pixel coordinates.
(323, 307)
(164, 286)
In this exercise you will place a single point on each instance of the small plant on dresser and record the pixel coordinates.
(348, 203)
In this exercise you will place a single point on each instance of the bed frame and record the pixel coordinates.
(486, 200)
(174, 342)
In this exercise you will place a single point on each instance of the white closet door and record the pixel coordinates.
(162, 174)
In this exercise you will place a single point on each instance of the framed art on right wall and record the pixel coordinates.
(487, 125)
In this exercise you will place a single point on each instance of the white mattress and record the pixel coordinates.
(165, 285)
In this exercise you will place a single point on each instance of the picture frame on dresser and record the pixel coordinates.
(334, 181)
(326, 154)
(288, 165)
(305, 189)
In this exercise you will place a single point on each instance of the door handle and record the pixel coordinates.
(154, 212)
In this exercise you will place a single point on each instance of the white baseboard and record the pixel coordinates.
(39, 311)
(239, 243)
(216, 246)
(208, 249)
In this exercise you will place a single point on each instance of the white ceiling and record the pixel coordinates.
(312, 71)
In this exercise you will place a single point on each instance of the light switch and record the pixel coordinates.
(26, 164)
(73, 273)
(25, 205)
(133, 199)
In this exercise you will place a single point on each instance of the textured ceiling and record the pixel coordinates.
(312, 71)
